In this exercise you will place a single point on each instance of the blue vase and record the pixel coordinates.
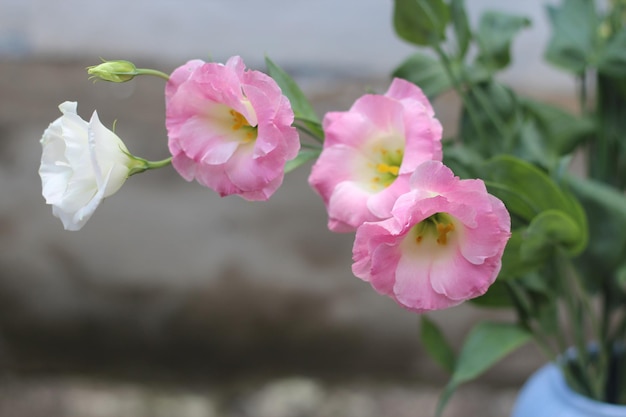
(546, 394)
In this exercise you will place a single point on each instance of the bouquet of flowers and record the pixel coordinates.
(492, 215)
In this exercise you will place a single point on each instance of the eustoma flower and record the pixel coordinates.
(229, 128)
(368, 149)
(81, 164)
(443, 244)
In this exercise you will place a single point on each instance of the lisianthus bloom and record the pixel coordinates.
(369, 152)
(229, 128)
(443, 244)
(81, 164)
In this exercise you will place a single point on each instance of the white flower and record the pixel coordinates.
(81, 164)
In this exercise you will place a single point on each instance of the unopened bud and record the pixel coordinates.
(113, 71)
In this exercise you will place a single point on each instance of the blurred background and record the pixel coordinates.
(174, 302)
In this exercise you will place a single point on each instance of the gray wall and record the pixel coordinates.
(353, 36)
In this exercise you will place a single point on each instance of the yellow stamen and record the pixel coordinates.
(388, 169)
(443, 230)
(238, 120)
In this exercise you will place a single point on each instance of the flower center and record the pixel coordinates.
(439, 226)
(386, 168)
(241, 124)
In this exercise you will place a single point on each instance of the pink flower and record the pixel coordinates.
(230, 129)
(370, 151)
(443, 244)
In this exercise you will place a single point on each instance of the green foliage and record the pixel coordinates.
(612, 60)
(605, 257)
(564, 130)
(498, 296)
(305, 155)
(567, 243)
(461, 26)
(302, 108)
(574, 37)
(487, 344)
(436, 344)
(426, 72)
(421, 22)
(495, 33)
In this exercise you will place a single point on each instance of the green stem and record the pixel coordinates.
(156, 73)
(457, 87)
(311, 146)
(579, 308)
(309, 132)
(524, 314)
(493, 116)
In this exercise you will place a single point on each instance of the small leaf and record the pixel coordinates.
(430, 75)
(304, 156)
(436, 344)
(612, 60)
(487, 343)
(425, 72)
(495, 35)
(301, 106)
(574, 34)
(421, 22)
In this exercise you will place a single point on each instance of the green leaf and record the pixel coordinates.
(487, 343)
(430, 75)
(421, 22)
(426, 72)
(495, 35)
(606, 214)
(612, 60)
(549, 229)
(529, 189)
(461, 26)
(490, 119)
(574, 35)
(561, 131)
(496, 297)
(436, 344)
(513, 263)
(301, 106)
(304, 156)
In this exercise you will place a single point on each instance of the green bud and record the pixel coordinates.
(114, 71)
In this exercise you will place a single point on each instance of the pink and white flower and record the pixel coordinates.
(443, 244)
(229, 128)
(81, 164)
(371, 150)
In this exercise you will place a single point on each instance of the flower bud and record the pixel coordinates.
(114, 71)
